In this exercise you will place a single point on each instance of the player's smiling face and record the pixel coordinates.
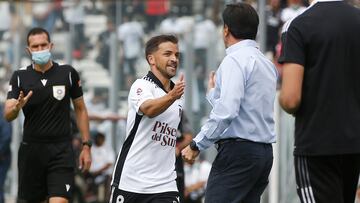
(166, 59)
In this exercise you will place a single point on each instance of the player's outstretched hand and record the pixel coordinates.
(179, 88)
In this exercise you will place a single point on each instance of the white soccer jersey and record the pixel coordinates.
(146, 163)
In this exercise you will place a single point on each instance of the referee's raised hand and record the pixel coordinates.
(22, 100)
(13, 106)
(179, 88)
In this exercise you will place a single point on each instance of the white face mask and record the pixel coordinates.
(41, 57)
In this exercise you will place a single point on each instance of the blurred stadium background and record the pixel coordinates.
(103, 40)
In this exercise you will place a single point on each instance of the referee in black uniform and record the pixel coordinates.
(43, 91)
(321, 88)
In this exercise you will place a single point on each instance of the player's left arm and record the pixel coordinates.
(82, 120)
(290, 94)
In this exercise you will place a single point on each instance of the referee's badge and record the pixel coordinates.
(59, 92)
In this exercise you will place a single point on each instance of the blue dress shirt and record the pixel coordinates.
(243, 97)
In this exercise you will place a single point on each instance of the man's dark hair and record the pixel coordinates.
(242, 20)
(36, 31)
(153, 44)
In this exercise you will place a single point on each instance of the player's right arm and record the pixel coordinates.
(155, 106)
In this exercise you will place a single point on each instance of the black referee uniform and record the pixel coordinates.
(325, 41)
(46, 160)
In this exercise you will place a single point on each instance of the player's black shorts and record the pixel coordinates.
(121, 196)
(331, 178)
(45, 170)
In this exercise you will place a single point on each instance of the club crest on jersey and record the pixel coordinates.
(59, 92)
(138, 91)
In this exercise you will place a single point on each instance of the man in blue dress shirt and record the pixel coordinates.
(241, 121)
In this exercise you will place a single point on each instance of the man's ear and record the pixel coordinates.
(51, 46)
(27, 50)
(151, 59)
(226, 30)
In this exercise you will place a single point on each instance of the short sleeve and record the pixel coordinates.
(14, 86)
(75, 82)
(293, 47)
(140, 91)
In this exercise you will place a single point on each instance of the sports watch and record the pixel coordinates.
(88, 143)
(193, 146)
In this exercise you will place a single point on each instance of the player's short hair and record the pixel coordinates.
(242, 20)
(153, 44)
(36, 31)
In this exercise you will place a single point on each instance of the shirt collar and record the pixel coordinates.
(152, 76)
(242, 43)
(54, 64)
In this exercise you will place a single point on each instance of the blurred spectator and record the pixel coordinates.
(203, 38)
(196, 176)
(155, 10)
(59, 14)
(109, 9)
(130, 34)
(293, 9)
(138, 7)
(103, 44)
(184, 7)
(97, 107)
(96, 7)
(75, 17)
(6, 9)
(168, 25)
(273, 25)
(43, 15)
(8, 21)
(5, 152)
(101, 169)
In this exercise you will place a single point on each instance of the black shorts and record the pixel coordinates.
(45, 170)
(121, 196)
(327, 178)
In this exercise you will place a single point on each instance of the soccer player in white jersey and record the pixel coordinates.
(145, 167)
